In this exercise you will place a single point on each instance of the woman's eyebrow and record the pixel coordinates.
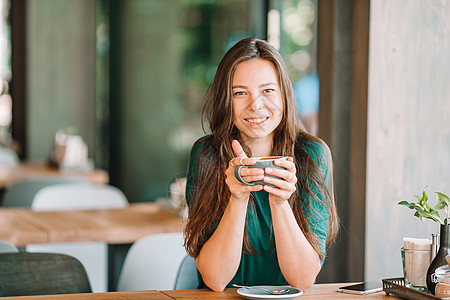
(267, 83)
(261, 85)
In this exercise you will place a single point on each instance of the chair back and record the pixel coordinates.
(78, 197)
(8, 157)
(187, 276)
(93, 255)
(21, 193)
(6, 247)
(26, 274)
(152, 263)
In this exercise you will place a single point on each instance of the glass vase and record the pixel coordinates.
(439, 259)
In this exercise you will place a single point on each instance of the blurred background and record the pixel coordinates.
(130, 76)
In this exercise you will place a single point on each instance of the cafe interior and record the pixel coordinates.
(102, 93)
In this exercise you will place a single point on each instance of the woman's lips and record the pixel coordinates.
(256, 121)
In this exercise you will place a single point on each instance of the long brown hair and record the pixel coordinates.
(211, 194)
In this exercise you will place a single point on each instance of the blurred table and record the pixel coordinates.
(140, 295)
(317, 292)
(113, 226)
(22, 226)
(18, 231)
(27, 170)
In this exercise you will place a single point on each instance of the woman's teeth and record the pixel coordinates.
(258, 120)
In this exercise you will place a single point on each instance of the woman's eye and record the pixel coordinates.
(238, 93)
(266, 91)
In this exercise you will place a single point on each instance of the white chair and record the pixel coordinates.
(8, 157)
(6, 247)
(21, 193)
(93, 255)
(187, 276)
(78, 197)
(153, 263)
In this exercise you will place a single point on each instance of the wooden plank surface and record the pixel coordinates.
(140, 295)
(317, 292)
(10, 174)
(19, 232)
(113, 226)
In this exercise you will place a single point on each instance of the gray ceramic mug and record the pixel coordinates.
(261, 163)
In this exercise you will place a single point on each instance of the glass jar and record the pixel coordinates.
(442, 279)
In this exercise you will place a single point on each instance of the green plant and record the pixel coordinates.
(425, 211)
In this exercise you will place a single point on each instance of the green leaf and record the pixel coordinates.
(419, 199)
(440, 205)
(424, 198)
(433, 215)
(443, 198)
(410, 205)
(424, 195)
(423, 210)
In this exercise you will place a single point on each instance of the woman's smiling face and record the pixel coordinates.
(257, 100)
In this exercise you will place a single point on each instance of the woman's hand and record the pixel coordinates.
(286, 185)
(239, 190)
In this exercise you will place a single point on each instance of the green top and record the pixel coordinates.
(263, 268)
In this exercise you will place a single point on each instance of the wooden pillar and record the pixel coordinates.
(343, 28)
(358, 139)
(18, 81)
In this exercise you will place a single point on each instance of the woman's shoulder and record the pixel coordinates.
(200, 144)
(203, 141)
(316, 148)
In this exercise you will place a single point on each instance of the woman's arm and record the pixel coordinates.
(219, 258)
(299, 262)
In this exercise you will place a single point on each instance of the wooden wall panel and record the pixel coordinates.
(408, 137)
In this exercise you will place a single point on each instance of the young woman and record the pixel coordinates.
(250, 235)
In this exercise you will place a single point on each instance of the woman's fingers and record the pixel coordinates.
(240, 190)
(284, 185)
(242, 161)
(251, 174)
(285, 175)
(237, 148)
(236, 187)
(281, 194)
(284, 182)
(241, 158)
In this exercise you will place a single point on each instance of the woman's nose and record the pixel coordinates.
(256, 101)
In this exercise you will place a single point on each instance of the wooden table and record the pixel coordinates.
(26, 170)
(317, 292)
(19, 232)
(114, 226)
(119, 228)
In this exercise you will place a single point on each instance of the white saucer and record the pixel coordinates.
(254, 294)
